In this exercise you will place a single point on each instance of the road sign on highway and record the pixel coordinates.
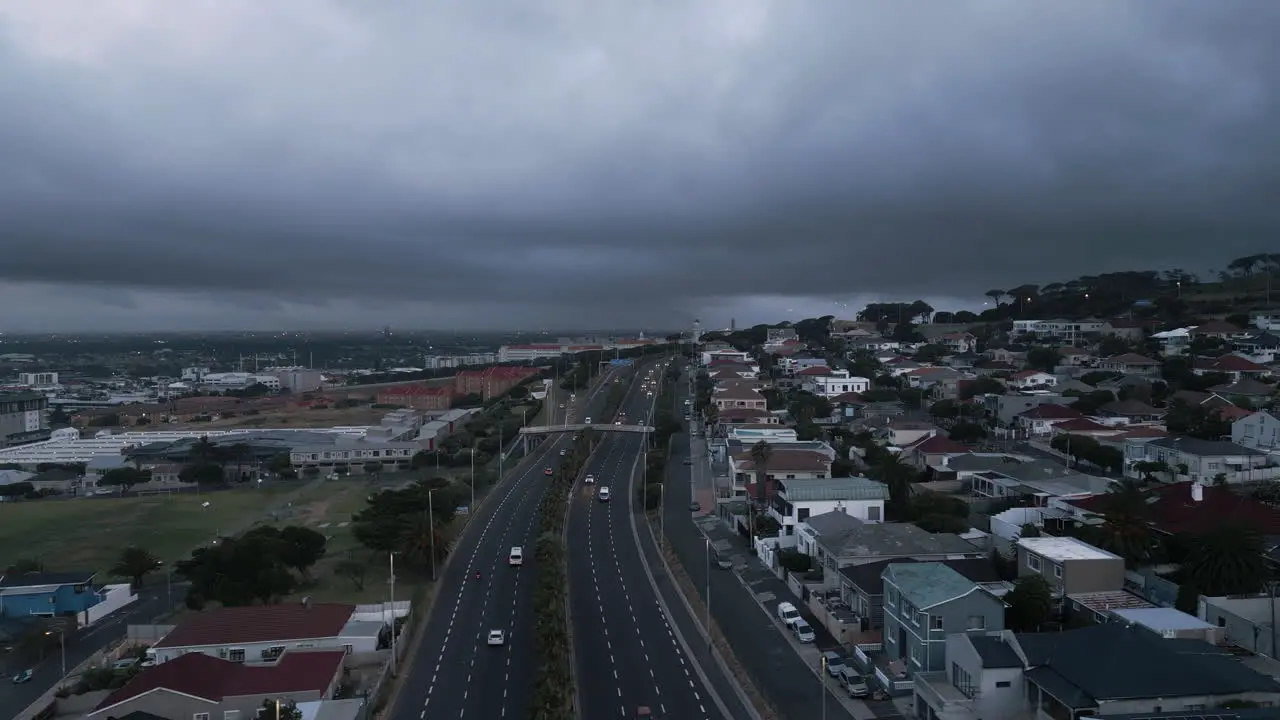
(621, 362)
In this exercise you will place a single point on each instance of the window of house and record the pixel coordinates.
(935, 622)
(348, 648)
(236, 655)
(231, 715)
(1033, 562)
(873, 513)
(963, 681)
(977, 622)
(200, 716)
(891, 600)
(802, 514)
(1003, 684)
(1057, 571)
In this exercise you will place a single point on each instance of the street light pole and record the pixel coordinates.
(392, 554)
(473, 479)
(822, 684)
(708, 620)
(431, 530)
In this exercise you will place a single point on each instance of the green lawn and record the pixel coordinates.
(88, 534)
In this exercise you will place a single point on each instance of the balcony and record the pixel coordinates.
(942, 697)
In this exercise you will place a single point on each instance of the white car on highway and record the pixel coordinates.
(497, 637)
(604, 494)
(589, 479)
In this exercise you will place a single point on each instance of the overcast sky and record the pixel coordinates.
(500, 164)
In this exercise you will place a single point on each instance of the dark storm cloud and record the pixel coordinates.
(471, 162)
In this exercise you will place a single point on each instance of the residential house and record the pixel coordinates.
(1129, 412)
(723, 352)
(1039, 420)
(899, 366)
(957, 343)
(796, 500)
(1174, 342)
(1195, 397)
(1217, 329)
(47, 594)
(901, 433)
(862, 586)
(262, 633)
(925, 602)
(1085, 427)
(1259, 347)
(201, 687)
(1075, 357)
(783, 464)
(1132, 331)
(1101, 671)
(745, 416)
(738, 396)
(1034, 482)
(1028, 379)
(1259, 431)
(1006, 408)
(1007, 356)
(848, 405)
(1070, 566)
(836, 540)
(793, 365)
(942, 383)
(1200, 460)
(777, 336)
(982, 679)
(1232, 365)
(931, 451)
(830, 383)
(1131, 364)
(1265, 319)
(1246, 390)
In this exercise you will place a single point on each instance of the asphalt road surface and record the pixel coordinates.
(456, 673)
(779, 673)
(626, 653)
(81, 645)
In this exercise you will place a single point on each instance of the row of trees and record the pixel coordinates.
(1083, 448)
(665, 425)
(554, 691)
(410, 521)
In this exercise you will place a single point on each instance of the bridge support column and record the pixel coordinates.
(524, 443)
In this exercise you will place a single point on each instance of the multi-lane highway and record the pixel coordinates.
(627, 654)
(455, 673)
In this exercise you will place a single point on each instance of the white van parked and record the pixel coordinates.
(788, 614)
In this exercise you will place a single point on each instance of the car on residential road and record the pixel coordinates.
(854, 683)
(22, 677)
(804, 633)
(497, 637)
(695, 506)
(833, 662)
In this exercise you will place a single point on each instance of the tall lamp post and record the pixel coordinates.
(62, 643)
(392, 555)
(431, 530)
(708, 618)
(822, 684)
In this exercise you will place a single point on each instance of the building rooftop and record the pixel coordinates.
(1060, 549)
(209, 678)
(1203, 448)
(42, 579)
(892, 540)
(1113, 661)
(869, 577)
(928, 584)
(995, 652)
(259, 623)
(1174, 510)
(1160, 618)
(828, 489)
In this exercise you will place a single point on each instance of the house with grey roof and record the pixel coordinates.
(798, 499)
(926, 602)
(1108, 670)
(836, 540)
(1200, 460)
(1020, 476)
(862, 586)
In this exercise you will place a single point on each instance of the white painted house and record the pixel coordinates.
(837, 382)
(797, 500)
(261, 633)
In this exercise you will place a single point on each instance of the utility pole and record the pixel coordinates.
(708, 620)
(392, 554)
(431, 530)
(473, 478)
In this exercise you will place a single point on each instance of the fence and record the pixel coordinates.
(117, 597)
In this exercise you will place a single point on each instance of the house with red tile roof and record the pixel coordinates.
(932, 451)
(1040, 419)
(259, 633)
(198, 685)
(1233, 365)
(1174, 509)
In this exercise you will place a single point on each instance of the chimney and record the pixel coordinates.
(1197, 492)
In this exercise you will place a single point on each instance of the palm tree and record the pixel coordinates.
(135, 563)
(1126, 527)
(761, 453)
(1227, 561)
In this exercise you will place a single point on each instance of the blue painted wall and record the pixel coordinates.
(63, 599)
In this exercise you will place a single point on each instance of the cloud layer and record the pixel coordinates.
(330, 163)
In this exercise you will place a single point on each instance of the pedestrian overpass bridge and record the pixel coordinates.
(536, 430)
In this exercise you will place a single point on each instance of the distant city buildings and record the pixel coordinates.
(24, 418)
(549, 351)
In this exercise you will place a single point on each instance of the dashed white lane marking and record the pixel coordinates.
(526, 487)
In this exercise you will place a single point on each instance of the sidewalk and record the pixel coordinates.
(744, 599)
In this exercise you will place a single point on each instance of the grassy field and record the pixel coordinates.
(89, 533)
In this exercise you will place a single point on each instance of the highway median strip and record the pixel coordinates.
(555, 691)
